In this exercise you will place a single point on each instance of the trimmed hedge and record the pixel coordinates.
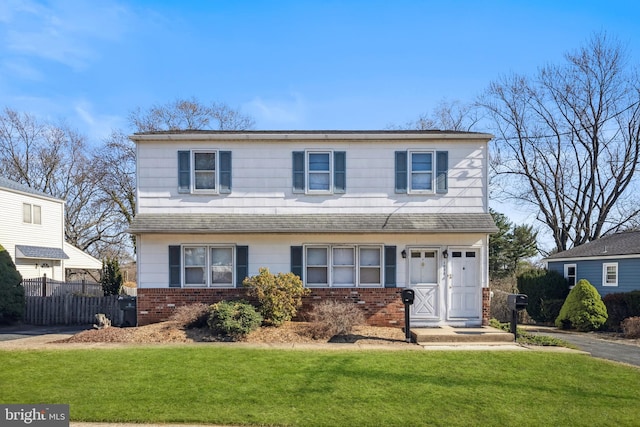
(234, 319)
(546, 290)
(621, 306)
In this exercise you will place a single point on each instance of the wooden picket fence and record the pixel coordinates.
(45, 287)
(71, 309)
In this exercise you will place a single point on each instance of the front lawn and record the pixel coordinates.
(207, 384)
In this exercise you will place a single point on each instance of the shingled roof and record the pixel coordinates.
(312, 223)
(625, 243)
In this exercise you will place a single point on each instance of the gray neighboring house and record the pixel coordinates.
(611, 264)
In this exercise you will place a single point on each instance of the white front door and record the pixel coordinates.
(464, 283)
(423, 271)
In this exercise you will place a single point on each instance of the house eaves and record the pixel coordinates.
(625, 244)
(16, 187)
(312, 223)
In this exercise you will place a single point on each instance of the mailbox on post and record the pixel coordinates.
(408, 296)
(516, 303)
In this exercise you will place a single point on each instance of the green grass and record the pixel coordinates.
(207, 384)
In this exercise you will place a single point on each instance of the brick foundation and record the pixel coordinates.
(382, 307)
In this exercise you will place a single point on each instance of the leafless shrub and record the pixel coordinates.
(332, 317)
(191, 315)
(631, 327)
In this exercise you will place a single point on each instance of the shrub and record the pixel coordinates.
(620, 306)
(583, 309)
(191, 315)
(234, 319)
(12, 300)
(279, 296)
(631, 327)
(111, 279)
(544, 289)
(332, 317)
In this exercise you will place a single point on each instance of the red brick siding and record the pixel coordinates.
(382, 307)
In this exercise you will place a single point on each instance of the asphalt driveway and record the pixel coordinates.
(604, 349)
(15, 332)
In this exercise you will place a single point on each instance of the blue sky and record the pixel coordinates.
(289, 64)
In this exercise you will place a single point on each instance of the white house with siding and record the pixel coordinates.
(32, 232)
(356, 214)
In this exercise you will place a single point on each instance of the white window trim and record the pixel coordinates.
(604, 273)
(410, 189)
(308, 172)
(208, 266)
(216, 189)
(32, 213)
(357, 266)
(566, 273)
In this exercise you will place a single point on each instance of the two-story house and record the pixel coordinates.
(356, 214)
(32, 232)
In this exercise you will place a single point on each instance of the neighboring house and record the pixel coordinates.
(32, 231)
(611, 263)
(356, 214)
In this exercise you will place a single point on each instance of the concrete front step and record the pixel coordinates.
(447, 335)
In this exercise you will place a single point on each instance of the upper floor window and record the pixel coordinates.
(319, 171)
(610, 274)
(204, 171)
(31, 214)
(421, 172)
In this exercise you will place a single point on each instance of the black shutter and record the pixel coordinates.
(298, 172)
(389, 266)
(401, 171)
(339, 171)
(225, 171)
(296, 261)
(442, 169)
(184, 171)
(242, 264)
(175, 269)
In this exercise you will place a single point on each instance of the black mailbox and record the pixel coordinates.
(408, 295)
(517, 302)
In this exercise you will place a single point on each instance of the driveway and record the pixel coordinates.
(604, 349)
(8, 333)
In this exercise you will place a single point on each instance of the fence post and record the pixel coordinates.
(44, 285)
(84, 286)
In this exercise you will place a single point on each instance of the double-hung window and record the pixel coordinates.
(319, 172)
(204, 171)
(610, 274)
(208, 266)
(31, 214)
(343, 266)
(421, 172)
(570, 273)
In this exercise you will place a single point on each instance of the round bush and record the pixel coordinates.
(233, 318)
(583, 309)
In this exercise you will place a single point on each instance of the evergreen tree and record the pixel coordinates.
(12, 300)
(111, 277)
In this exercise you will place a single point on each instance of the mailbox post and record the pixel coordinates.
(408, 295)
(516, 303)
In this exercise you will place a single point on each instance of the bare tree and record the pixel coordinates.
(189, 114)
(568, 141)
(54, 159)
(447, 115)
